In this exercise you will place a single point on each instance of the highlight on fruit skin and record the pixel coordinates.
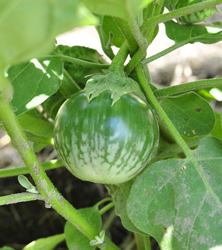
(104, 144)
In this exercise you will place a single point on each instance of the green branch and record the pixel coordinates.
(21, 197)
(118, 61)
(127, 33)
(190, 86)
(155, 104)
(106, 208)
(81, 62)
(9, 172)
(139, 55)
(165, 52)
(44, 185)
(178, 13)
(164, 18)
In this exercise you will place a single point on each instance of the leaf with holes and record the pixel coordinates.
(179, 201)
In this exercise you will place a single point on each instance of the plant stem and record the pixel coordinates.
(118, 61)
(21, 197)
(127, 33)
(149, 37)
(147, 243)
(189, 86)
(82, 62)
(164, 18)
(9, 172)
(103, 201)
(109, 220)
(178, 13)
(43, 183)
(164, 52)
(153, 101)
(141, 41)
(142, 242)
(106, 208)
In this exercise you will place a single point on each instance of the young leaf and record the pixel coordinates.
(28, 28)
(74, 238)
(27, 184)
(48, 243)
(190, 114)
(206, 34)
(34, 82)
(117, 8)
(179, 201)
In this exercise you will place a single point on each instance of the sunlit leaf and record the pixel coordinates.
(34, 82)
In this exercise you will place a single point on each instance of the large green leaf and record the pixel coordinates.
(117, 8)
(120, 198)
(34, 82)
(190, 114)
(206, 34)
(28, 27)
(74, 238)
(179, 201)
(48, 243)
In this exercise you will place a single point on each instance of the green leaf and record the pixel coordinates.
(36, 125)
(190, 114)
(110, 26)
(179, 201)
(48, 243)
(74, 238)
(206, 34)
(28, 27)
(38, 146)
(79, 73)
(120, 198)
(27, 184)
(34, 82)
(118, 85)
(52, 104)
(170, 4)
(117, 8)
